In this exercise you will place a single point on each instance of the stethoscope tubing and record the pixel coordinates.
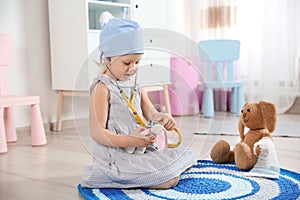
(130, 104)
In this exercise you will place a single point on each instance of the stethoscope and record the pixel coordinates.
(130, 104)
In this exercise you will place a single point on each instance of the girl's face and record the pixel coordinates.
(123, 67)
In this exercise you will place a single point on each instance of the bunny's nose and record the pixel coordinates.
(244, 114)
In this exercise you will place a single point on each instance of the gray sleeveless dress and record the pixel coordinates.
(115, 168)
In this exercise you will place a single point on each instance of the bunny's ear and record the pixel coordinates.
(241, 128)
(269, 114)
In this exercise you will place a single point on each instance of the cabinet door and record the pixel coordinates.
(150, 13)
(68, 41)
(155, 64)
(154, 71)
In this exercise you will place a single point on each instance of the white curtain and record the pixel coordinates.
(217, 18)
(269, 33)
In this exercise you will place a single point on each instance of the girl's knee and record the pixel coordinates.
(174, 181)
(168, 184)
(171, 183)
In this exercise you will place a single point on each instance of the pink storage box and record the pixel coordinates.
(184, 88)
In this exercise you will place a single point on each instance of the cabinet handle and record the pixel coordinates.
(150, 40)
(136, 6)
(151, 65)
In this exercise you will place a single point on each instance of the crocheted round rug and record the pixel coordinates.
(208, 180)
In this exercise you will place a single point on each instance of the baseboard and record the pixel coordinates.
(66, 124)
(295, 108)
(51, 126)
(26, 129)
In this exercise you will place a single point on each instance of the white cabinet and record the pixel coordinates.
(68, 41)
(74, 36)
(152, 15)
(74, 39)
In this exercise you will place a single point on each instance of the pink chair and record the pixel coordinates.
(7, 124)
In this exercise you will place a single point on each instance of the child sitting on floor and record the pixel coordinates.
(113, 126)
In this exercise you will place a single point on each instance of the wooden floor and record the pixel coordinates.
(53, 171)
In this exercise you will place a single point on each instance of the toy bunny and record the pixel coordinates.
(155, 130)
(260, 118)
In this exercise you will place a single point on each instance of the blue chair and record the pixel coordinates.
(220, 55)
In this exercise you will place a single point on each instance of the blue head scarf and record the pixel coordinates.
(121, 37)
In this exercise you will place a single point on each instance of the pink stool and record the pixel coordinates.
(7, 124)
(184, 91)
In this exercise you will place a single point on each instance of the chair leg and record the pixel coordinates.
(237, 100)
(38, 136)
(9, 123)
(240, 99)
(60, 105)
(3, 144)
(208, 103)
(167, 99)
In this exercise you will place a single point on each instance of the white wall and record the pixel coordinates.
(30, 73)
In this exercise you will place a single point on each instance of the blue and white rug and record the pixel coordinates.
(208, 180)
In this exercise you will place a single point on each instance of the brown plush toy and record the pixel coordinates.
(260, 118)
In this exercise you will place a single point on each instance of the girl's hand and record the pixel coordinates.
(165, 119)
(141, 140)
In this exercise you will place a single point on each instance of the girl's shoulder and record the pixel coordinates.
(102, 79)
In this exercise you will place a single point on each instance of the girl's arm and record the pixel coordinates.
(98, 115)
(148, 108)
(149, 112)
